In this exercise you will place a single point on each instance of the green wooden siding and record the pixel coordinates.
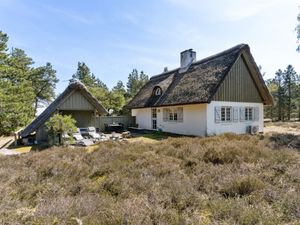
(83, 118)
(42, 134)
(127, 121)
(76, 101)
(238, 86)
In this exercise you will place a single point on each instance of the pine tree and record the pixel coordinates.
(280, 94)
(20, 85)
(289, 86)
(43, 80)
(135, 82)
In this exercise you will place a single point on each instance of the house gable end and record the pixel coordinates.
(238, 85)
(76, 101)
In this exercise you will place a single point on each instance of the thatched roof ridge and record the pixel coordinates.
(197, 85)
(46, 114)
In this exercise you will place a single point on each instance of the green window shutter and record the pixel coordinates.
(256, 113)
(217, 114)
(235, 114)
(180, 114)
(242, 113)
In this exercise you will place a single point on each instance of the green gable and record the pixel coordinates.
(238, 85)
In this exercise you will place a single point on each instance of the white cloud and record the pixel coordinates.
(72, 15)
(240, 9)
(231, 10)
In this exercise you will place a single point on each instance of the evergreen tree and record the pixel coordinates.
(289, 86)
(280, 94)
(273, 88)
(120, 88)
(298, 31)
(135, 82)
(43, 80)
(84, 75)
(20, 87)
(16, 96)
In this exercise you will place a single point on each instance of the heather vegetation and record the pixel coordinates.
(226, 179)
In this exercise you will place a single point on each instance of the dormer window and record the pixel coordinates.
(157, 91)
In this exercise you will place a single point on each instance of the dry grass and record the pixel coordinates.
(283, 127)
(226, 179)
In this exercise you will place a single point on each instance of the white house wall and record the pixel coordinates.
(142, 117)
(238, 127)
(194, 120)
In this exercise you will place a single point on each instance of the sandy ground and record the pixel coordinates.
(4, 141)
(283, 128)
(278, 127)
(4, 151)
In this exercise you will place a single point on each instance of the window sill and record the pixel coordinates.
(173, 121)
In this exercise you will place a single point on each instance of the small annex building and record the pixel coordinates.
(77, 101)
(222, 93)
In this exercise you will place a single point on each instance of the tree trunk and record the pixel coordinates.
(299, 111)
(35, 106)
(289, 105)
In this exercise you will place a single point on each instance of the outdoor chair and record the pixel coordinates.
(92, 133)
(81, 141)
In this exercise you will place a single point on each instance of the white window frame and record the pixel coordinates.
(173, 115)
(249, 111)
(158, 91)
(226, 114)
(154, 113)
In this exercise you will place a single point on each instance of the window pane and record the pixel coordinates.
(250, 114)
(228, 114)
(154, 114)
(223, 114)
(171, 116)
(175, 116)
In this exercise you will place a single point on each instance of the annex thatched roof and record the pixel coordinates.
(74, 85)
(198, 84)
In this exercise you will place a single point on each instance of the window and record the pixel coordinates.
(154, 124)
(154, 118)
(154, 113)
(157, 91)
(173, 114)
(226, 114)
(248, 113)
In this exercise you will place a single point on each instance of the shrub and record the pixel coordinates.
(227, 179)
(242, 186)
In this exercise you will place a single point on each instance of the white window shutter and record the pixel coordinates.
(256, 113)
(217, 114)
(180, 114)
(235, 114)
(242, 114)
(165, 115)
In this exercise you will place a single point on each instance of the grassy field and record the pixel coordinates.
(226, 179)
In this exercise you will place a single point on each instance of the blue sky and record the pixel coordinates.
(113, 37)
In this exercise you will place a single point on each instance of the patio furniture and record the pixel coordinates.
(126, 134)
(84, 132)
(93, 134)
(115, 127)
(81, 141)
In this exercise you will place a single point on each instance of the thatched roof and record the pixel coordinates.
(198, 84)
(74, 85)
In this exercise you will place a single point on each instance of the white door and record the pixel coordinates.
(154, 119)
